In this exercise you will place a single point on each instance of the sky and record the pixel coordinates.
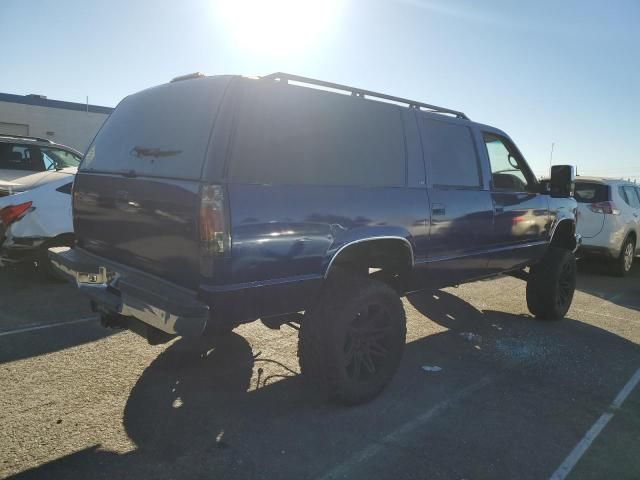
(566, 73)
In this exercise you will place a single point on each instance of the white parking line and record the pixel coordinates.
(582, 446)
(32, 328)
(344, 469)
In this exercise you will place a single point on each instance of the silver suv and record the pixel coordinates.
(609, 220)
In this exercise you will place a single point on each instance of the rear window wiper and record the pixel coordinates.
(153, 152)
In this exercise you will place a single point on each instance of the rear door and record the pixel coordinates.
(136, 196)
(461, 223)
(633, 213)
(591, 217)
(521, 212)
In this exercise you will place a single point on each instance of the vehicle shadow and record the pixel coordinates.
(212, 409)
(595, 278)
(27, 300)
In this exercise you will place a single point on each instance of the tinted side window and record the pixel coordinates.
(449, 149)
(586, 192)
(20, 157)
(623, 195)
(297, 135)
(632, 198)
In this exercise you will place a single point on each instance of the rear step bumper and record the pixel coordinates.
(118, 289)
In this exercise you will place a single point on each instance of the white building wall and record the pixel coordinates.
(73, 128)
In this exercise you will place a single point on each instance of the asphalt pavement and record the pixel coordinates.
(513, 398)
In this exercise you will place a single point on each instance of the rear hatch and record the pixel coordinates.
(136, 196)
(590, 197)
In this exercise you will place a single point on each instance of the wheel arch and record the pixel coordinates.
(384, 251)
(563, 234)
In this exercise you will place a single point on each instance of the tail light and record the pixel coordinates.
(608, 208)
(214, 238)
(10, 214)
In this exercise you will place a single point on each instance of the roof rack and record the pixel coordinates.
(357, 92)
(26, 137)
(188, 76)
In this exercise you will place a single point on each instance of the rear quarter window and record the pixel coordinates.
(629, 195)
(296, 135)
(163, 131)
(586, 192)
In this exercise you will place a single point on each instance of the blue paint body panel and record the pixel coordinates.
(291, 230)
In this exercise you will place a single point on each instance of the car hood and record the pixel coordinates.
(24, 183)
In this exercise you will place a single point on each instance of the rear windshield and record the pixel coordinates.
(591, 192)
(160, 132)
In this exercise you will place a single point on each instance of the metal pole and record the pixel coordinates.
(551, 157)
(87, 103)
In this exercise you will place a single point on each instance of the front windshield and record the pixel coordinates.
(56, 159)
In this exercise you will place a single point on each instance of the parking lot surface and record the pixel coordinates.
(514, 395)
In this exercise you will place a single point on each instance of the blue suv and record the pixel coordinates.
(209, 202)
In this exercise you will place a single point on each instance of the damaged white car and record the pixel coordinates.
(33, 221)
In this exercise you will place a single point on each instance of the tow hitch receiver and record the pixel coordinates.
(93, 278)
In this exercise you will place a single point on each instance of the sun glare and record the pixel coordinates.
(276, 27)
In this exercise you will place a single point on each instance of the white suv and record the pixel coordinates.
(609, 220)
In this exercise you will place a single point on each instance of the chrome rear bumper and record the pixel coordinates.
(114, 288)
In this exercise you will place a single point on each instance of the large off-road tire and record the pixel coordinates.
(551, 284)
(621, 266)
(350, 344)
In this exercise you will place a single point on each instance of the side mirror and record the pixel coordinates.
(563, 181)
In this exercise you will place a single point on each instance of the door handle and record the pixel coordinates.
(498, 209)
(437, 209)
